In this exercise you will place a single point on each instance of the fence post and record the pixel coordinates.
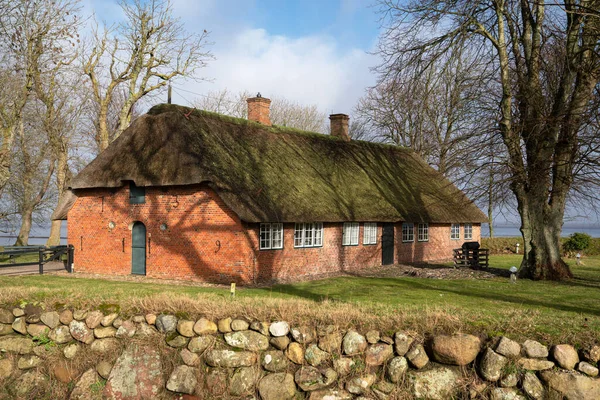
(70, 256)
(41, 260)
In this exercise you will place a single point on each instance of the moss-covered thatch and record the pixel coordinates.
(278, 174)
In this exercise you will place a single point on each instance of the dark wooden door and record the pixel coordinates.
(387, 244)
(138, 249)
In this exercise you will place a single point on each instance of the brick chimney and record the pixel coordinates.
(339, 126)
(258, 109)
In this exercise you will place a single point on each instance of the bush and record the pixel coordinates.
(577, 242)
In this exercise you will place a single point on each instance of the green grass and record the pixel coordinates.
(548, 310)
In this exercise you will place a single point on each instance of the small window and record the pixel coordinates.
(370, 233)
(468, 231)
(408, 232)
(350, 234)
(137, 194)
(423, 232)
(308, 234)
(455, 232)
(271, 236)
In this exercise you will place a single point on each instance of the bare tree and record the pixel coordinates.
(545, 58)
(139, 57)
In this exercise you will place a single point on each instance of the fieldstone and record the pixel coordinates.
(386, 340)
(303, 334)
(458, 349)
(532, 386)
(323, 330)
(492, 364)
(189, 358)
(229, 358)
(185, 328)
(343, 365)
(138, 318)
(280, 343)
(216, 382)
(70, 351)
(572, 385)
(274, 361)
(417, 356)
(166, 323)
(105, 332)
(354, 343)
(177, 341)
(278, 386)
(331, 342)
(79, 315)
(6, 368)
(587, 369)
(80, 331)
(260, 327)
(535, 364)
(200, 344)
(242, 381)
(330, 394)
(61, 334)
(295, 352)
(109, 319)
(535, 349)
(18, 312)
(203, 327)
(6, 317)
(360, 384)
(103, 369)
(182, 380)
(402, 343)
(28, 362)
(27, 382)
(137, 374)
(593, 354)
(378, 354)
(508, 348)
(310, 378)
(16, 344)
(32, 313)
(396, 369)
(105, 345)
(50, 319)
(5, 329)
(84, 388)
(143, 329)
(19, 325)
(247, 340)
(42, 351)
(65, 317)
(239, 325)
(37, 330)
(127, 329)
(315, 356)
(439, 383)
(64, 372)
(372, 337)
(93, 319)
(224, 325)
(117, 322)
(279, 328)
(509, 380)
(150, 319)
(506, 394)
(565, 355)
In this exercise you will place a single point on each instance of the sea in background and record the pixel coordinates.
(39, 235)
(506, 230)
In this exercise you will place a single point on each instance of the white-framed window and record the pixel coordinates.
(408, 232)
(423, 232)
(350, 234)
(271, 236)
(455, 232)
(468, 231)
(370, 233)
(308, 234)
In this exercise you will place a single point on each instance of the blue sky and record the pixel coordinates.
(312, 52)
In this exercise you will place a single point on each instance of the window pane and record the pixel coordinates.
(468, 231)
(346, 234)
(423, 232)
(408, 234)
(354, 237)
(455, 231)
(137, 194)
(298, 233)
(318, 234)
(277, 236)
(370, 234)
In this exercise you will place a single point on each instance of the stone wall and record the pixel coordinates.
(79, 354)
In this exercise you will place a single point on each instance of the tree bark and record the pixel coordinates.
(26, 220)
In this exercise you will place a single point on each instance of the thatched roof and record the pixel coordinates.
(278, 174)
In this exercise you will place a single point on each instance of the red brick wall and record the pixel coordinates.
(206, 241)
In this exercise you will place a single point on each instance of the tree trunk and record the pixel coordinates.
(24, 231)
(63, 177)
(102, 138)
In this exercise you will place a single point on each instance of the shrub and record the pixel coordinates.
(577, 242)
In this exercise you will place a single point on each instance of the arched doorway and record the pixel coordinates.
(138, 249)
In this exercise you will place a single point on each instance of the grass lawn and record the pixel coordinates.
(548, 311)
